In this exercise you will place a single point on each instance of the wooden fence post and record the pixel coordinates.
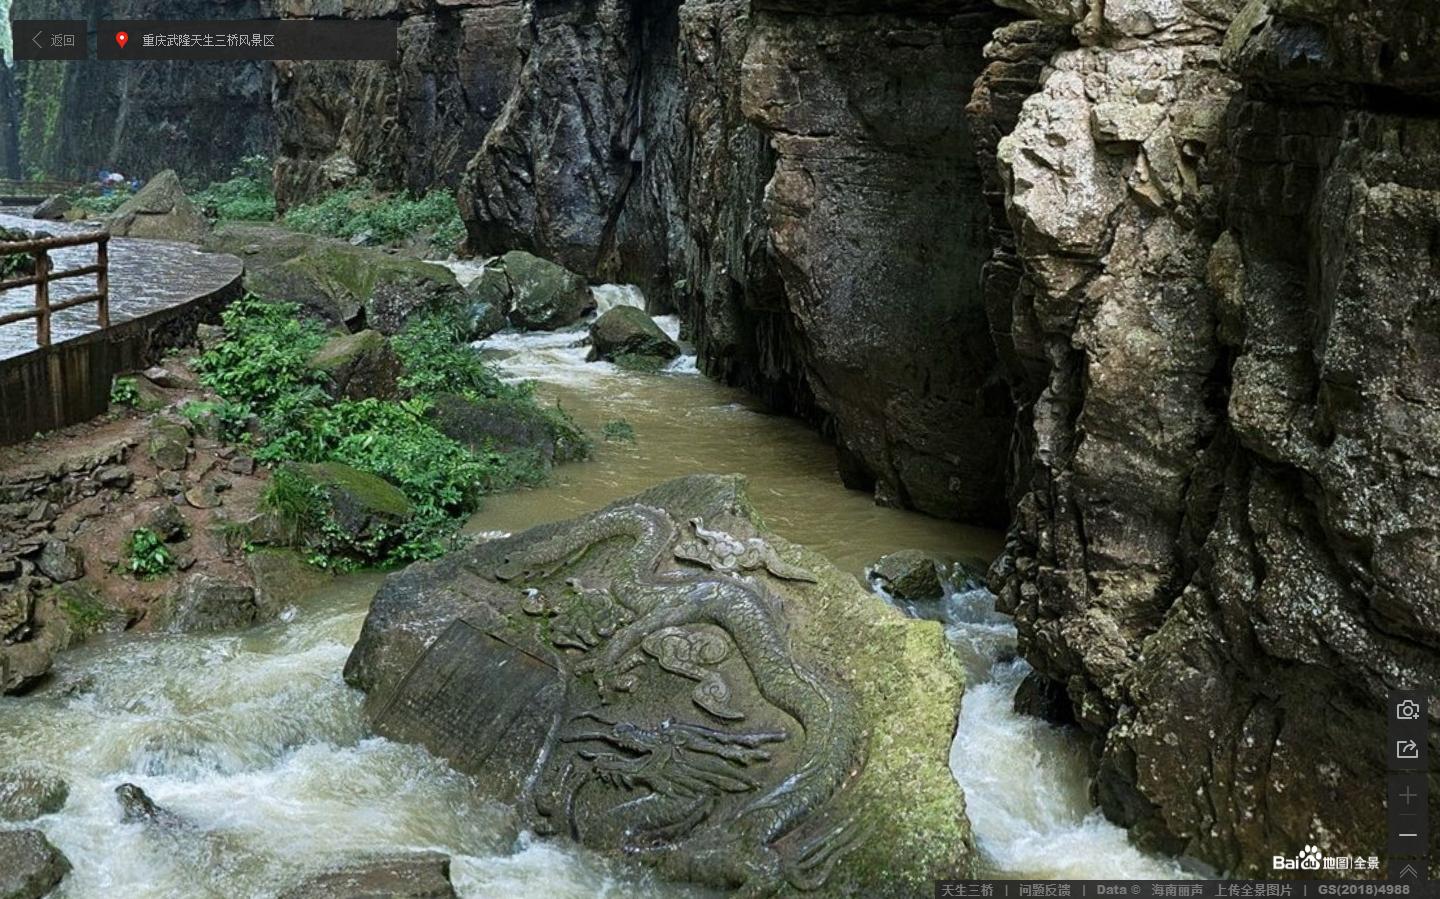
(42, 298)
(102, 279)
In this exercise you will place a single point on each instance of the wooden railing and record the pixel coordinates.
(39, 250)
(30, 190)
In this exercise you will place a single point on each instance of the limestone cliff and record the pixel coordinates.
(199, 118)
(1225, 225)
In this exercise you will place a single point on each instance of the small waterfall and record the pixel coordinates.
(608, 296)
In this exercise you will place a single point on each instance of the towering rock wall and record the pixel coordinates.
(198, 118)
(1225, 224)
(9, 124)
(414, 123)
(797, 180)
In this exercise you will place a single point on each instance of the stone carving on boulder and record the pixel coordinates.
(631, 683)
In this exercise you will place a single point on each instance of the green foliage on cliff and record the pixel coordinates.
(44, 85)
(263, 365)
(146, 555)
(386, 219)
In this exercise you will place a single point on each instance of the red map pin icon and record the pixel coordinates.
(121, 38)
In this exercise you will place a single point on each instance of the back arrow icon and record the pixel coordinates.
(36, 39)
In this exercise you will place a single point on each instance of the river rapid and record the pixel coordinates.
(256, 743)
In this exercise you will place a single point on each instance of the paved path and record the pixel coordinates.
(145, 275)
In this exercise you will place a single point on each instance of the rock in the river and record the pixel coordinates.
(543, 295)
(61, 562)
(283, 578)
(29, 866)
(359, 366)
(136, 807)
(28, 649)
(160, 211)
(498, 424)
(207, 603)
(695, 691)
(420, 875)
(26, 794)
(359, 287)
(487, 304)
(367, 509)
(168, 444)
(909, 574)
(627, 331)
(53, 209)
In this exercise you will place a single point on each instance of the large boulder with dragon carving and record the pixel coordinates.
(665, 680)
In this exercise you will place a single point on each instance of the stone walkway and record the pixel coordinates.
(145, 275)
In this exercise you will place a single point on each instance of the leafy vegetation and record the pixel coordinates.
(618, 430)
(359, 210)
(125, 392)
(261, 370)
(247, 196)
(146, 555)
(90, 204)
(225, 420)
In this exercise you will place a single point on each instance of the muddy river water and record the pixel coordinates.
(254, 741)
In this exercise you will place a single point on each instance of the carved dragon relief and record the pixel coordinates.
(705, 799)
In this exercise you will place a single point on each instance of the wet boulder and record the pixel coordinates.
(364, 510)
(28, 648)
(626, 331)
(359, 287)
(666, 680)
(358, 366)
(206, 603)
(30, 867)
(283, 578)
(160, 211)
(508, 427)
(419, 875)
(909, 574)
(27, 794)
(543, 296)
(487, 304)
(52, 209)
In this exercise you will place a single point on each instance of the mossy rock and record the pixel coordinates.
(676, 669)
(361, 511)
(627, 331)
(543, 296)
(487, 304)
(358, 366)
(160, 211)
(168, 444)
(359, 287)
(510, 426)
(909, 574)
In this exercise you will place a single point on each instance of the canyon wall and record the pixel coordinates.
(1223, 302)
(199, 118)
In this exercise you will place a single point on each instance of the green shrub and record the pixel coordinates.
(261, 369)
(125, 392)
(386, 218)
(146, 555)
(618, 430)
(100, 204)
(295, 502)
(264, 355)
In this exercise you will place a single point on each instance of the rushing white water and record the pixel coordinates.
(1026, 781)
(608, 296)
(255, 742)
